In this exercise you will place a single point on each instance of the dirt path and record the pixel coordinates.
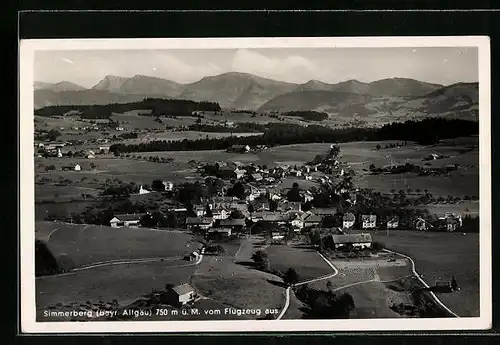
(123, 262)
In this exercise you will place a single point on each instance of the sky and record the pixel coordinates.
(297, 65)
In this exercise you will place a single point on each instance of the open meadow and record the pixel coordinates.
(224, 279)
(77, 245)
(101, 285)
(438, 256)
(306, 262)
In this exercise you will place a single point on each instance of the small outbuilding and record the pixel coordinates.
(179, 295)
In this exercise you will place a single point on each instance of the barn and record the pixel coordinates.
(358, 241)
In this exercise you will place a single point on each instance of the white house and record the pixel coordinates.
(131, 220)
(180, 295)
(169, 186)
(368, 221)
(348, 220)
(239, 173)
(393, 223)
(297, 221)
(143, 191)
(220, 213)
(77, 167)
(199, 210)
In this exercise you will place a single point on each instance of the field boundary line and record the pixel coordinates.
(438, 301)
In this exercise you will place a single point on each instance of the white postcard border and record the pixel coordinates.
(26, 188)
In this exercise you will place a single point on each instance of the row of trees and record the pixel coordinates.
(425, 132)
(157, 106)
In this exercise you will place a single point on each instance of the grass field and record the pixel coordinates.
(306, 262)
(125, 283)
(222, 279)
(189, 135)
(438, 256)
(47, 192)
(359, 155)
(79, 245)
(42, 210)
(128, 170)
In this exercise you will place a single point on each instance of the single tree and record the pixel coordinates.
(291, 277)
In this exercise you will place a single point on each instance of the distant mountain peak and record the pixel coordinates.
(57, 87)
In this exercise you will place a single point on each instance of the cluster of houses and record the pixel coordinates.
(262, 175)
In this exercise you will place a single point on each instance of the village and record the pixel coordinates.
(250, 198)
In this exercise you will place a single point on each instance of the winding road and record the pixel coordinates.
(336, 271)
(287, 292)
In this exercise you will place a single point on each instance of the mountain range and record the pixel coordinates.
(247, 91)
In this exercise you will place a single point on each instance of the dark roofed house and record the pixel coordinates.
(312, 220)
(120, 220)
(327, 211)
(276, 217)
(179, 295)
(359, 241)
(239, 149)
(257, 177)
(234, 224)
(284, 205)
(200, 222)
(219, 233)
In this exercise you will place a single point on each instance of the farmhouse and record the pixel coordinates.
(239, 149)
(368, 221)
(451, 221)
(75, 167)
(179, 295)
(194, 256)
(358, 241)
(199, 210)
(348, 220)
(143, 191)
(289, 206)
(275, 218)
(103, 149)
(239, 173)
(169, 186)
(131, 220)
(312, 220)
(276, 237)
(393, 223)
(218, 233)
(199, 222)
(234, 224)
(297, 221)
(257, 177)
(422, 225)
(329, 211)
(220, 213)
